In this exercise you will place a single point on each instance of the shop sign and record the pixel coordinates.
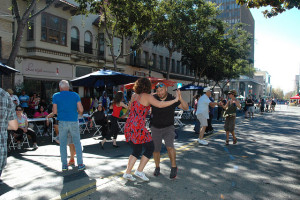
(44, 68)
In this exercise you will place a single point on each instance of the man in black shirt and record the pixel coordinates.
(162, 127)
(250, 105)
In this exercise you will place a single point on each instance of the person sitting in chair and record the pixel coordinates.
(23, 128)
(41, 113)
(100, 119)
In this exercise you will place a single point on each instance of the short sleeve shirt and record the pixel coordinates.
(24, 98)
(164, 117)
(202, 107)
(7, 113)
(22, 121)
(66, 105)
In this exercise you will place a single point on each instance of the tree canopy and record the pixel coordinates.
(122, 18)
(277, 6)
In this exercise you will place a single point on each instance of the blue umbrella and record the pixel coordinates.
(103, 78)
(191, 87)
(4, 69)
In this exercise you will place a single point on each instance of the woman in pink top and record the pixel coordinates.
(117, 106)
(41, 113)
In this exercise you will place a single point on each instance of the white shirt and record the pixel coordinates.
(15, 98)
(202, 106)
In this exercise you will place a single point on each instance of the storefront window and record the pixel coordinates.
(54, 29)
(81, 71)
(74, 39)
(88, 43)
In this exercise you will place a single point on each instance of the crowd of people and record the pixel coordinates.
(160, 106)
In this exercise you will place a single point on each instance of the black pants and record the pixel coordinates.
(220, 109)
(30, 132)
(104, 128)
(209, 125)
(44, 124)
(114, 127)
(138, 148)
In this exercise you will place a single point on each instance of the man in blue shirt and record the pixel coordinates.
(67, 106)
(24, 100)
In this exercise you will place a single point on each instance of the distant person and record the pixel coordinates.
(250, 105)
(209, 129)
(14, 98)
(230, 115)
(203, 113)
(8, 121)
(104, 99)
(262, 105)
(67, 106)
(41, 113)
(24, 102)
(273, 104)
(135, 130)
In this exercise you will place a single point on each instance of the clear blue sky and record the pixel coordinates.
(277, 47)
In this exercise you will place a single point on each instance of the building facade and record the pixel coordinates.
(264, 78)
(233, 13)
(58, 45)
(6, 35)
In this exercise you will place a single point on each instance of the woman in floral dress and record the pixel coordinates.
(135, 131)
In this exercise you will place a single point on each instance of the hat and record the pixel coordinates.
(10, 91)
(206, 89)
(232, 92)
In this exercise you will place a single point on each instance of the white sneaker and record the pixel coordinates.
(141, 175)
(203, 142)
(56, 139)
(128, 177)
(19, 146)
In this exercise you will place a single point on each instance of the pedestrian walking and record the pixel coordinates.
(136, 132)
(250, 105)
(162, 127)
(67, 106)
(8, 121)
(203, 113)
(230, 115)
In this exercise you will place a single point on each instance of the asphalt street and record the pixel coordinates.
(264, 164)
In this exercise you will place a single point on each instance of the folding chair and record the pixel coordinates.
(121, 126)
(97, 127)
(177, 118)
(83, 125)
(13, 143)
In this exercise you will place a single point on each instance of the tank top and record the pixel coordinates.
(116, 110)
(231, 110)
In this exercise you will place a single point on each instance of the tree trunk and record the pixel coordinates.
(17, 43)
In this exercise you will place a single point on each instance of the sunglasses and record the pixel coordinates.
(19, 110)
(159, 86)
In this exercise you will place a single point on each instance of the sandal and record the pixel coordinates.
(227, 142)
(71, 163)
(234, 140)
